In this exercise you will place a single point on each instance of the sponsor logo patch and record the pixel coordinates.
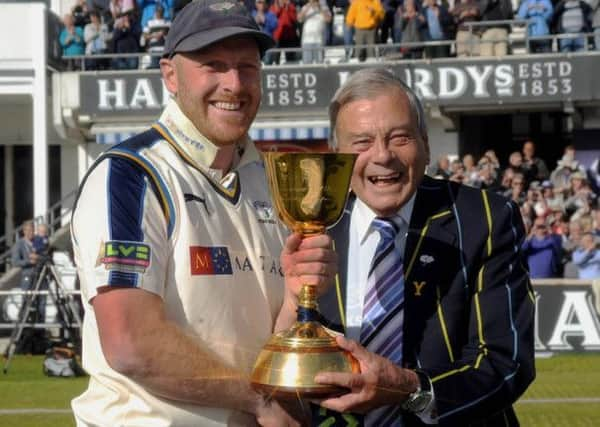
(125, 256)
(210, 260)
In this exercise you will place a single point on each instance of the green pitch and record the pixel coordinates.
(31, 399)
(566, 393)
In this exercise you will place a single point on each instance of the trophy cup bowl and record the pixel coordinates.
(309, 191)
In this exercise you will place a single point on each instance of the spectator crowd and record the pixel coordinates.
(560, 208)
(478, 28)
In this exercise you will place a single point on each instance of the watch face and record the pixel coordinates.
(420, 402)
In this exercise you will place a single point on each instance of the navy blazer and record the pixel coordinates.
(469, 305)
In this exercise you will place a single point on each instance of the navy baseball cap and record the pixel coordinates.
(204, 22)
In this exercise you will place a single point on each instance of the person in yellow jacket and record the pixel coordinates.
(365, 16)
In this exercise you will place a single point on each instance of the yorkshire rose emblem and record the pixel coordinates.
(426, 259)
(219, 7)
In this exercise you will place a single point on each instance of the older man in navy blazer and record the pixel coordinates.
(463, 349)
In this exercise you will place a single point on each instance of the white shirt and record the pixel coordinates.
(214, 263)
(313, 28)
(362, 245)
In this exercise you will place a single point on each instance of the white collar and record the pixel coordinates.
(201, 151)
(364, 216)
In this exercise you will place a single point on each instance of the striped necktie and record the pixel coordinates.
(383, 308)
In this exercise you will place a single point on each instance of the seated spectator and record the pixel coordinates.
(506, 181)
(517, 191)
(365, 16)
(554, 200)
(285, 35)
(442, 167)
(413, 25)
(439, 23)
(96, 36)
(534, 166)
(494, 39)
(457, 171)
(467, 37)
(491, 154)
(125, 40)
(594, 175)
(527, 212)
(515, 162)
(587, 257)
(486, 174)
(559, 222)
(267, 22)
(314, 16)
(536, 198)
(148, 8)
(571, 17)
(538, 13)
(153, 36)
(471, 171)
(560, 177)
(580, 197)
(72, 42)
(542, 250)
(571, 241)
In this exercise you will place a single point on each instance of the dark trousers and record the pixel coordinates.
(437, 51)
(289, 56)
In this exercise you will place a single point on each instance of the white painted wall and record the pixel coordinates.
(20, 40)
(441, 141)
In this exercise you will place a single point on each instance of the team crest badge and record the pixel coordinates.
(264, 211)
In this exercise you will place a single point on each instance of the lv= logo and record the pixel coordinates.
(419, 287)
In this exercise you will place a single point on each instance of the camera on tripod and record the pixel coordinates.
(30, 332)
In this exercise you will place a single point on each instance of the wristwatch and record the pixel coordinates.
(420, 399)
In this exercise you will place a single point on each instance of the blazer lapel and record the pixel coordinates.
(431, 237)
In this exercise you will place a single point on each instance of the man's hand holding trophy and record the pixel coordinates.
(309, 191)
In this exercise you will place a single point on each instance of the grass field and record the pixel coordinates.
(565, 393)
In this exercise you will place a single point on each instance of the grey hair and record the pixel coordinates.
(368, 83)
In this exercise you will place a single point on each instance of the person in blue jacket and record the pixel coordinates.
(539, 13)
(587, 257)
(71, 40)
(543, 251)
(266, 21)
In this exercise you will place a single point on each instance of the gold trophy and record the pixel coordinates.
(309, 191)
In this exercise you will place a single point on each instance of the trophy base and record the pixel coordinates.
(287, 365)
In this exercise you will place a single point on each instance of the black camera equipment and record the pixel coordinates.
(29, 317)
